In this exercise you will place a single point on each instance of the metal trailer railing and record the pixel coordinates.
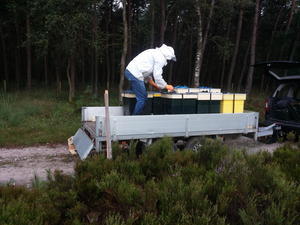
(93, 133)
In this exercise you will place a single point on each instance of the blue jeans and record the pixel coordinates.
(138, 87)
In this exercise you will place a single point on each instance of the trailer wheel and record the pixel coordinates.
(195, 143)
(140, 148)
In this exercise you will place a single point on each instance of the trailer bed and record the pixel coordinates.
(93, 132)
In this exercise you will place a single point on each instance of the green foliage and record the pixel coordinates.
(288, 159)
(38, 116)
(216, 186)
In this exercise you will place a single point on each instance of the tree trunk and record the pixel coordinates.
(83, 67)
(291, 16)
(245, 63)
(73, 74)
(92, 69)
(108, 75)
(28, 51)
(96, 73)
(95, 31)
(273, 35)
(212, 7)
(124, 52)
(152, 23)
(223, 71)
(129, 24)
(283, 46)
(46, 70)
(269, 52)
(236, 49)
(17, 55)
(173, 45)
(190, 61)
(295, 45)
(69, 79)
(224, 60)
(5, 61)
(253, 48)
(58, 81)
(113, 54)
(71, 67)
(163, 21)
(199, 47)
(113, 73)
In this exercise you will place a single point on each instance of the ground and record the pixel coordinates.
(19, 166)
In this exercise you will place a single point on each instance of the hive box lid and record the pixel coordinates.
(181, 90)
(190, 96)
(239, 96)
(172, 96)
(204, 96)
(228, 96)
(216, 96)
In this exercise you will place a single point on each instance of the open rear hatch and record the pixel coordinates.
(284, 105)
(284, 71)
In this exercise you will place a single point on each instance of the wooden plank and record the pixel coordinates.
(107, 126)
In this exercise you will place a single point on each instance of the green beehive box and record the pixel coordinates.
(215, 102)
(172, 103)
(189, 103)
(157, 106)
(203, 102)
(149, 104)
(129, 101)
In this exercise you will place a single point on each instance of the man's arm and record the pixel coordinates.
(160, 82)
(152, 83)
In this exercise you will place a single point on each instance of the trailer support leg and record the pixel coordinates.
(98, 146)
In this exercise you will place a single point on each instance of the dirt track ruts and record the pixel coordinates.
(18, 166)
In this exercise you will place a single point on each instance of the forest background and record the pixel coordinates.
(83, 45)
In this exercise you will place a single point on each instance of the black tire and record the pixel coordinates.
(140, 148)
(195, 143)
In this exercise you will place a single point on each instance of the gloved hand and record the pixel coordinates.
(169, 87)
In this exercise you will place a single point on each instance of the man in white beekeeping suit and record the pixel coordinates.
(143, 67)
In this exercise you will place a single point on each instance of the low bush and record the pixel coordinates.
(288, 159)
(215, 185)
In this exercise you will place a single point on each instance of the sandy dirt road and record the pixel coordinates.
(19, 165)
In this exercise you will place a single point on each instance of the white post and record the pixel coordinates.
(107, 126)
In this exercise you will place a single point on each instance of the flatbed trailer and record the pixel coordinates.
(93, 133)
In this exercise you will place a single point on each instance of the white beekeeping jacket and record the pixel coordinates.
(150, 62)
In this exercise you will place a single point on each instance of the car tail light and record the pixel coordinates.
(267, 105)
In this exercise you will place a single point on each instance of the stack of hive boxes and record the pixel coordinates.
(187, 101)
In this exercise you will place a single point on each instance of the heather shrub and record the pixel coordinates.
(20, 212)
(211, 152)
(154, 162)
(288, 159)
(215, 185)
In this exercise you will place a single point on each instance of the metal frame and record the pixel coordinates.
(184, 125)
(157, 126)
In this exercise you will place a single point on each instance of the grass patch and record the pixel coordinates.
(41, 116)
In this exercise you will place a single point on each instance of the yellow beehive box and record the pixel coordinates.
(239, 100)
(227, 103)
